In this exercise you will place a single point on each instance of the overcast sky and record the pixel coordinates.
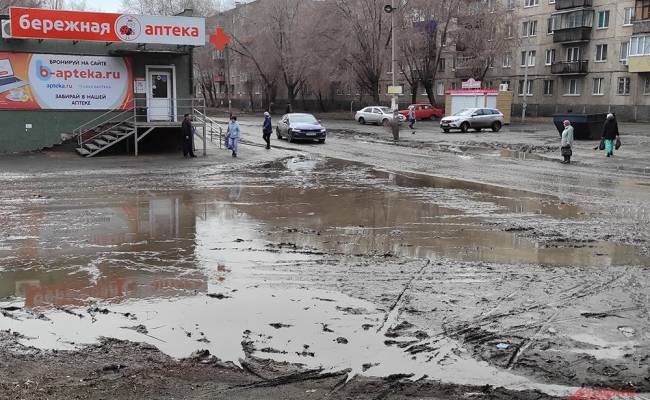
(105, 5)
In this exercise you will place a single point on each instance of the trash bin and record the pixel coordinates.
(585, 126)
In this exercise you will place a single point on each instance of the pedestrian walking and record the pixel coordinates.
(610, 134)
(567, 142)
(267, 130)
(412, 119)
(187, 131)
(234, 134)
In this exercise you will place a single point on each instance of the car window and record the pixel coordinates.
(426, 107)
(464, 112)
(304, 118)
(479, 112)
(376, 110)
(367, 110)
(385, 110)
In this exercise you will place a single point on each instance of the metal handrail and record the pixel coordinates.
(194, 105)
(80, 127)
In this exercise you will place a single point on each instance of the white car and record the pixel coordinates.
(376, 115)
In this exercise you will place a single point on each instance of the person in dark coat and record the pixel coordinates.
(187, 132)
(267, 130)
(610, 134)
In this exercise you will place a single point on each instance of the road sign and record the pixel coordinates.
(397, 89)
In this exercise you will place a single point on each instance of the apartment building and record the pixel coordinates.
(572, 56)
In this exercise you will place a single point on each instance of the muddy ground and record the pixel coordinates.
(354, 269)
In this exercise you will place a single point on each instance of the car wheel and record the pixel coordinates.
(496, 126)
(290, 138)
(464, 127)
(362, 121)
(446, 130)
(321, 141)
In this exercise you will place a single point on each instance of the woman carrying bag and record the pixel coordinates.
(567, 142)
(611, 135)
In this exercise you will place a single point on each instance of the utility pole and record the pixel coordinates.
(393, 68)
(390, 8)
(524, 104)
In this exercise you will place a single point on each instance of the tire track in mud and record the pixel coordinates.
(393, 312)
(561, 303)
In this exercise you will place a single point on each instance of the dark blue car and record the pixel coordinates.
(297, 126)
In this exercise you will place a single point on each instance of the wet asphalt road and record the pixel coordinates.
(469, 267)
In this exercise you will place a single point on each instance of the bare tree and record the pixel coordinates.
(481, 37)
(169, 7)
(5, 4)
(426, 30)
(366, 38)
(250, 49)
(289, 26)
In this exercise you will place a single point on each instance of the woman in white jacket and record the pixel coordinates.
(567, 142)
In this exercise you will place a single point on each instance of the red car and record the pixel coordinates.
(424, 111)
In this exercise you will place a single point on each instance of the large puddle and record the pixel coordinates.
(137, 262)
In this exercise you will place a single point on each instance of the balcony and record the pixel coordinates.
(564, 4)
(570, 67)
(572, 35)
(640, 26)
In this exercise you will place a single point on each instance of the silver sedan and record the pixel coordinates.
(376, 115)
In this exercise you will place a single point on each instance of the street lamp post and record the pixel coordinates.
(390, 8)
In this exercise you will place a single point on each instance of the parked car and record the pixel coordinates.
(473, 118)
(296, 126)
(424, 111)
(376, 115)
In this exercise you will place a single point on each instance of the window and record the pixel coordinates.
(628, 13)
(598, 86)
(440, 88)
(507, 60)
(550, 26)
(573, 54)
(509, 31)
(639, 46)
(441, 65)
(529, 28)
(571, 87)
(623, 86)
(642, 9)
(548, 87)
(529, 87)
(510, 5)
(603, 19)
(532, 58)
(601, 52)
(506, 82)
(549, 57)
(646, 86)
(551, 1)
(531, 3)
(625, 49)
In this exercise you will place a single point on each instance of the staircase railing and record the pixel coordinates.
(210, 125)
(144, 115)
(94, 124)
